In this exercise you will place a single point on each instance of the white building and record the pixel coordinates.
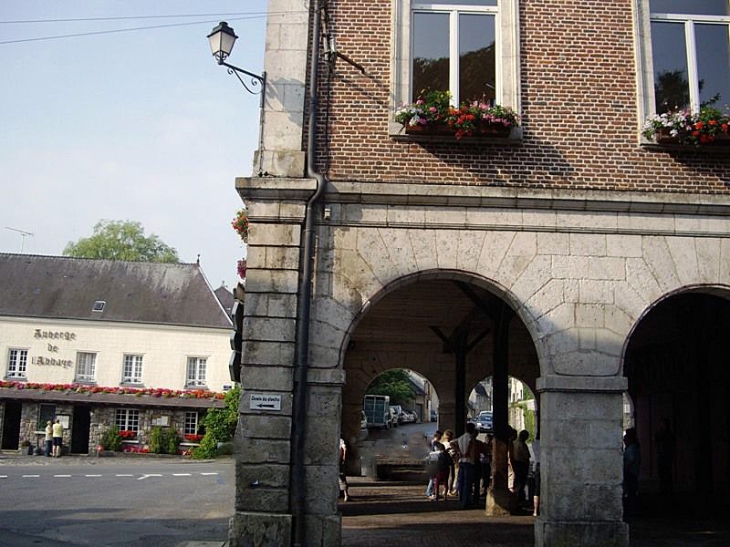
(100, 342)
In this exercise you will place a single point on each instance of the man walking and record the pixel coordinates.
(467, 450)
(57, 438)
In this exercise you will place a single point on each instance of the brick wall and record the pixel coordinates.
(581, 127)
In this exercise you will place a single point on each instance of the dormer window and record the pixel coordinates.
(99, 306)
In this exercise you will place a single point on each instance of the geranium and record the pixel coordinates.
(127, 434)
(137, 392)
(240, 224)
(685, 127)
(434, 109)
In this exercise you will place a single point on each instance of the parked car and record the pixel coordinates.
(484, 422)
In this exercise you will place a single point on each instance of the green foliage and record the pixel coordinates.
(163, 440)
(529, 416)
(121, 240)
(111, 439)
(395, 384)
(220, 426)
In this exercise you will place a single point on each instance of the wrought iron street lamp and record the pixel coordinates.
(222, 39)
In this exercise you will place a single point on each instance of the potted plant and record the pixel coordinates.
(433, 114)
(709, 126)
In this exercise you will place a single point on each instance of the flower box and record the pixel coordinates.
(434, 115)
(708, 127)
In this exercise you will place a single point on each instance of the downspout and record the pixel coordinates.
(304, 302)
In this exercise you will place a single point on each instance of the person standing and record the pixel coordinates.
(521, 466)
(536, 475)
(344, 488)
(632, 467)
(57, 433)
(48, 441)
(467, 449)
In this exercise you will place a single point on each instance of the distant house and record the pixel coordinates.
(100, 343)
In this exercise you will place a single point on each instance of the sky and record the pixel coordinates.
(139, 125)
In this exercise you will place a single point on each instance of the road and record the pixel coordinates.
(116, 502)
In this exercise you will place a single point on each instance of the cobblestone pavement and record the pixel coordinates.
(385, 514)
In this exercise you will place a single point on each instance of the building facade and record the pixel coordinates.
(575, 254)
(100, 343)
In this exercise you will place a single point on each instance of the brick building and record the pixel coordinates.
(100, 343)
(574, 254)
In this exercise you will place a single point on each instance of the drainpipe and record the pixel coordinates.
(304, 302)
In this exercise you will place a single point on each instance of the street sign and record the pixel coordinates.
(260, 401)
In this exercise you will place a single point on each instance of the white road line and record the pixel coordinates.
(182, 475)
(124, 475)
(3, 476)
(92, 475)
(205, 474)
(30, 476)
(62, 476)
(150, 475)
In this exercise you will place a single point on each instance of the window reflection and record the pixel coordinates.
(713, 53)
(476, 57)
(671, 86)
(696, 7)
(430, 52)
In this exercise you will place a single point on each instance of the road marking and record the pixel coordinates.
(62, 476)
(31, 476)
(124, 475)
(149, 475)
(92, 475)
(181, 475)
(206, 474)
(3, 476)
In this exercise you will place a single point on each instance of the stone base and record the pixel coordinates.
(569, 534)
(259, 530)
(498, 502)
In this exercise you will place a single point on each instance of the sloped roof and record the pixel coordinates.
(59, 287)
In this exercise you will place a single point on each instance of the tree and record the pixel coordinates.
(121, 240)
(220, 426)
(395, 384)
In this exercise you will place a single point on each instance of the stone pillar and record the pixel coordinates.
(498, 495)
(263, 445)
(282, 118)
(581, 462)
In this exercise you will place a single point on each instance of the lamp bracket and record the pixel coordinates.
(255, 82)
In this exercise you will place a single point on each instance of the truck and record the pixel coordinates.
(377, 410)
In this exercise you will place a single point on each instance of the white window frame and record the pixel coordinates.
(507, 51)
(192, 423)
(197, 379)
(645, 60)
(127, 419)
(132, 368)
(17, 363)
(87, 371)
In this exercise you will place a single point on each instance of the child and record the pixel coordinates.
(438, 463)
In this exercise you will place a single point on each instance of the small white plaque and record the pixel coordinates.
(261, 401)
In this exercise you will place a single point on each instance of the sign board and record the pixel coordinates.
(261, 401)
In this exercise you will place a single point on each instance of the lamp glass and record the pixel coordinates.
(222, 38)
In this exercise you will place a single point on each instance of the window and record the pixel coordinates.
(47, 412)
(191, 423)
(196, 371)
(17, 363)
(127, 419)
(99, 305)
(468, 47)
(85, 367)
(690, 49)
(132, 373)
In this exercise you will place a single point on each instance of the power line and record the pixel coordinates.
(113, 31)
(130, 18)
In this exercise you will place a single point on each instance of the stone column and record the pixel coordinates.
(282, 118)
(581, 462)
(263, 444)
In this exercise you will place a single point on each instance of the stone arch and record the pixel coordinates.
(675, 362)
